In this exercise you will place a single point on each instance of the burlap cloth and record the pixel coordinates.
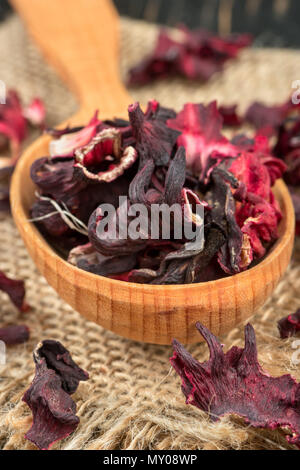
(133, 398)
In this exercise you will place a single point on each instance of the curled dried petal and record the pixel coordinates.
(154, 140)
(56, 377)
(67, 142)
(59, 359)
(53, 409)
(105, 147)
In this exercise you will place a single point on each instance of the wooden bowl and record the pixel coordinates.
(149, 313)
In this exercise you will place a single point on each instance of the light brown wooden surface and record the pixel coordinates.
(141, 312)
(80, 39)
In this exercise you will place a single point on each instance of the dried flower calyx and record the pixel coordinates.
(290, 325)
(234, 383)
(15, 290)
(56, 377)
(106, 149)
(14, 119)
(178, 161)
(194, 54)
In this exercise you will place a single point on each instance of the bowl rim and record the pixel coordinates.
(32, 232)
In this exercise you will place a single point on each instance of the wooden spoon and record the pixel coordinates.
(80, 39)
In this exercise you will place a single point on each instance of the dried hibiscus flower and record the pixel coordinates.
(56, 377)
(14, 334)
(16, 291)
(154, 139)
(200, 128)
(290, 325)
(219, 190)
(195, 55)
(234, 383)
(14, 120)
(69, 140)
(263, 116)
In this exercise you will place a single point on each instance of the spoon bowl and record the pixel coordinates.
(142, 312)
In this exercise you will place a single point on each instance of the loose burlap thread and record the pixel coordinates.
(133, 398)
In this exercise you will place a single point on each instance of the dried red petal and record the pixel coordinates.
(190, 201)
(55, 177)
(223, 215)
(200, 128)
(67, 141)
(154, 140)
(59, 359)
(160, 63)
(197, 54)
(35, 113)
(230, 116)
(53, 409)
(290, 325)
(261, 115)
(105, 147)
(12, 121)
(14, 334)
(16, 291)
(258, 215)
(59, 180)
(87, 258)
(234, 383)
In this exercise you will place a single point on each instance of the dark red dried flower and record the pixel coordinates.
(106, 149)
(234, 383)
(59, 180)
(86, 257)
(290, 325)
(16, 291)
(59, 359)
(71, 139)
(196, 55)
(200, 128)
(14, 334)
(230, 116)
(234, 179)
(48, 397)
(263, 116)
(13, 130)
(12, 122)
(258, 215)
(154, 139)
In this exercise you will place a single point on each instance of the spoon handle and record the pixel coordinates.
(80, 39)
